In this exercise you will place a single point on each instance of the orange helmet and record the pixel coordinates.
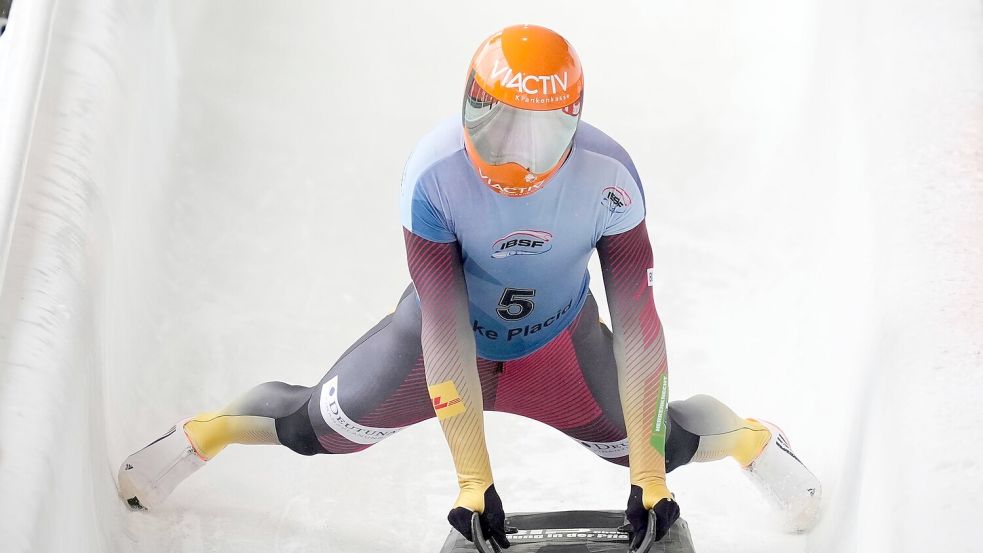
(521, 107)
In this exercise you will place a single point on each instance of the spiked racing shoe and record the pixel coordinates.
(148, 476)
(784, 479)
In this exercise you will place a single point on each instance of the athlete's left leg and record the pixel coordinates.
(571, 384)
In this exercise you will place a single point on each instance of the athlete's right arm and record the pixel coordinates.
(452, 376)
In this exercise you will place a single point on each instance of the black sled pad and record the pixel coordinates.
(573, 532)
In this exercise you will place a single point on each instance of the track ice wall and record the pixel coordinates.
(209, 201)
(101, 135)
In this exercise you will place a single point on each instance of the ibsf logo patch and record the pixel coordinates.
(615, 199)
(522, 242)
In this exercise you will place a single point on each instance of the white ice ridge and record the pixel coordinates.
(206, 200)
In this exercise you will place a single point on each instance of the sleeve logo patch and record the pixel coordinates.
(522, 242)
(658, 437)
(446, 401)
(615, 199)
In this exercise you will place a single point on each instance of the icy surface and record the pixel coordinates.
(814, 182)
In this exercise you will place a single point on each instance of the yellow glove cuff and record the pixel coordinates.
(654, 492)
(472, 496)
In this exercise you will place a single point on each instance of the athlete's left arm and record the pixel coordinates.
(643, 376)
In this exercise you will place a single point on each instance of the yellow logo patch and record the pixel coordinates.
(446, 401)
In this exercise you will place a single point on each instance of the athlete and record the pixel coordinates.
(502, 208)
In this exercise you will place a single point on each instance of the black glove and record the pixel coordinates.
(492, 519)
(663, 514)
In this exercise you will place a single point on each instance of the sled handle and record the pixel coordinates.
(649, 539)
(483, 545)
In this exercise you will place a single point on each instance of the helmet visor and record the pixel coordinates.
(536, 140)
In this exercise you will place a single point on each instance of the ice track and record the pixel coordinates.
(207, 199)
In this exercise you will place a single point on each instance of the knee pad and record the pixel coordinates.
(681, 444)
(296, 432)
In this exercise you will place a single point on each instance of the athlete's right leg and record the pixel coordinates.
(376, 388)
